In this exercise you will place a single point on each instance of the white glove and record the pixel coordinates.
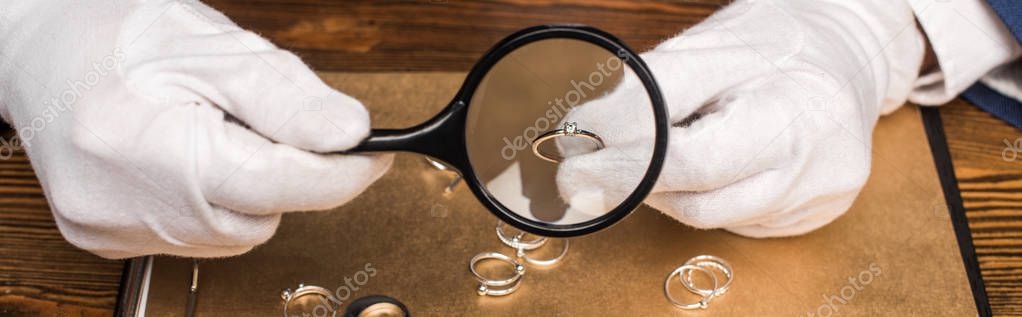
(132, 111)
(788, 93)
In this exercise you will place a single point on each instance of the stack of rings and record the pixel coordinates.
(521, 246)
(705, 264)
(500, 287)
(503, 286)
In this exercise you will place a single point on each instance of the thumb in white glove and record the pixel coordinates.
(785, 95)
(163, 128)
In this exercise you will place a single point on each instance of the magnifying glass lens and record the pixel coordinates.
(560, 131)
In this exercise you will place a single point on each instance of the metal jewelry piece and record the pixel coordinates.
(303, 290)
(704, 301)
(516, 241)
(446, 168)
(484, 290)
(512, 282)
(193, 290)
(519, 269)
(551, 261)
(708, 261)
(570, 129)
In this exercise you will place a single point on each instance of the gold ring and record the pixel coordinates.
(569, 129)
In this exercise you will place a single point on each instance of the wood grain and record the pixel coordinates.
(42, 275)
(991, 188)
(447, 35)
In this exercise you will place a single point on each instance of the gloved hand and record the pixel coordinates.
(784, 97)
(161, 127)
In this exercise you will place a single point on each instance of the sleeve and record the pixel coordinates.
(969, 41)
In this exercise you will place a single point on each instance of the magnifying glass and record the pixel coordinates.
(509, 128)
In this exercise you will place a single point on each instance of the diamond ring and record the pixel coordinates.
(569, 129)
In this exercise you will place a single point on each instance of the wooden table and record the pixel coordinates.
(43, 275)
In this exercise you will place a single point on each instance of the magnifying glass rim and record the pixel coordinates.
(613, 45)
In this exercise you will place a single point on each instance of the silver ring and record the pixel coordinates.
(703, 302)
(303, 290)
(551, 261)
(711, 262)
(441, 166)
(569, 129)
(484, 290)
(518, 268)
(516, 241)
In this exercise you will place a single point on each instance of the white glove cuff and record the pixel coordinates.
(969, 41)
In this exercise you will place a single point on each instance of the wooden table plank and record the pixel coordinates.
(446, 35)
(991, 188)
(40, 273)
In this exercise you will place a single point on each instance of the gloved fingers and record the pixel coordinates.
(692, 78)
(768, 29)
(769, 204)
(752, 131)
(728, 49)
(747, 202)
(245, 172)
(211, 231)
(797, 222)
(594, 180)
(198, 230)
(605, 177)
(623, 115)
(273, 92)
(689, 80)
(201, 57)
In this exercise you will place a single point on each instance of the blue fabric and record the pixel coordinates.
(1001, 106)
(1010, 12)
(995, 103)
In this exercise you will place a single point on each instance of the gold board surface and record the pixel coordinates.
(418, 241)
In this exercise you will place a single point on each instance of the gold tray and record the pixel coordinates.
(898, 237)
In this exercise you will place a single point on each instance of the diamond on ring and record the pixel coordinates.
(570, 128)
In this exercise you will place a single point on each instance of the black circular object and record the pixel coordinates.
(443, 137)
(366, 304)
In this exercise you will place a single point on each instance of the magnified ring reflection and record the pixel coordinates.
(569, 129)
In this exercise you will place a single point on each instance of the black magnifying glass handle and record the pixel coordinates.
(387, 140)
(441, 137)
